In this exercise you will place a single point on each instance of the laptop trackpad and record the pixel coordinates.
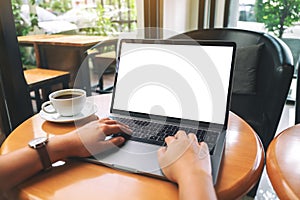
(134, 156)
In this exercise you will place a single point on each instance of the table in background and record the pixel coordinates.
(241, 166)
(283, 163)
(63, 52)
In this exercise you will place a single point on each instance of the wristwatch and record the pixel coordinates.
(39, 144)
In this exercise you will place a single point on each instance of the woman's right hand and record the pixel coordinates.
(183, 155)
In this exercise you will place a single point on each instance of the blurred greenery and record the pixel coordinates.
(57, 6)
(22, 27)
(277, 15)
(104, 25)
(124, 20)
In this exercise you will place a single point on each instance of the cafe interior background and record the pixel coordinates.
(112, 17)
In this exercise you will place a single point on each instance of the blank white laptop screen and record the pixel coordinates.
(174, 80)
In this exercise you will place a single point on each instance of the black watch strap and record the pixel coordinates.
(40, 145)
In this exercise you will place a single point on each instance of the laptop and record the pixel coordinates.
(162, 86)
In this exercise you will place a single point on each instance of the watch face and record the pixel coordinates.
(36, 142)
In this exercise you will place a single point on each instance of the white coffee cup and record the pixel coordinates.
(67, 102)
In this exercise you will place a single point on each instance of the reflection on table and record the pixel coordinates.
(241, 166)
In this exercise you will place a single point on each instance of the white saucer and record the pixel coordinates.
(88, 110)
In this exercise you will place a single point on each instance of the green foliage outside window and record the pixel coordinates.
(104, 25)
(123, 20)
(23, 28)
(277, 15)
(57, 6)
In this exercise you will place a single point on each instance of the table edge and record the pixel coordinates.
(287, 193)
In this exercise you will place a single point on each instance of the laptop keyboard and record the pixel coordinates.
(155, 133)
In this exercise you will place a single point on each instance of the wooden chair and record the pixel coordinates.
(41, 80)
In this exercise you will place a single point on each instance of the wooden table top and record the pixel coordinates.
(283, 163)
(241, 166)
(61, 40)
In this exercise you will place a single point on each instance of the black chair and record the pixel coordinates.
(103, 59)
(297, 104)
(15, 102)
(262, 76)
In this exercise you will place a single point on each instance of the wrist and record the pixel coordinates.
(201, 188)
(194, 176)
(60, 147)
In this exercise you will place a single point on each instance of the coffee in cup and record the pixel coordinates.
(67, 102)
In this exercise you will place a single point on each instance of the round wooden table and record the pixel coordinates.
(283, 163)
(240, 170)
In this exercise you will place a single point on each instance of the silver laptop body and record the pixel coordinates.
(179, 83)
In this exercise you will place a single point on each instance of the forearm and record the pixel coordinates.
(195, 187)
(21, 164)
(17, 166)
